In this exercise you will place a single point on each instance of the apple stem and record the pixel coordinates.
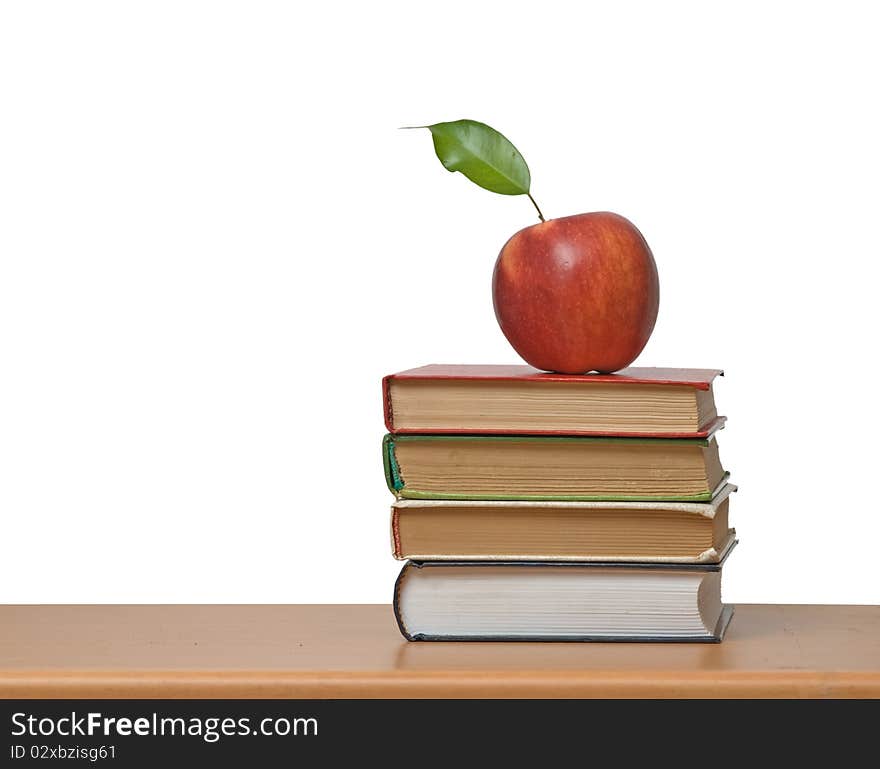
(540, 215)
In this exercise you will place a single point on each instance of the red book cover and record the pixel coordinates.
(697, 378)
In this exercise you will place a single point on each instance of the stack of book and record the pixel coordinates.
(535, 506)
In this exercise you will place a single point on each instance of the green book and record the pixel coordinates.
(487, 467)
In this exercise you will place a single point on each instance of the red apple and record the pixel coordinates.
(577, 294)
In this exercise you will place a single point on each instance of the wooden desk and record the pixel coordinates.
(354, 651)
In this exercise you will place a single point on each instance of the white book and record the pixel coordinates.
(561, 601)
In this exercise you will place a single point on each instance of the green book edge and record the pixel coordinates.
(397, 486)
(389, 462)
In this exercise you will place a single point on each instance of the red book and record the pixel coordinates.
(520, 400)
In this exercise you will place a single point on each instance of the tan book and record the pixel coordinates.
(488, 467)
(659, 532)
(519, 400)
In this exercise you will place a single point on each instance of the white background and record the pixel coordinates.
(214, 242)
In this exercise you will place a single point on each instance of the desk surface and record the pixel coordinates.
(353, 651)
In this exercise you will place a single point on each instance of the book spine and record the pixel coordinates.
(396, 602)
(386, 403)
(395, 533)
(393, 478)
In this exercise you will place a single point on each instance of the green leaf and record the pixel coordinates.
(483, 155)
